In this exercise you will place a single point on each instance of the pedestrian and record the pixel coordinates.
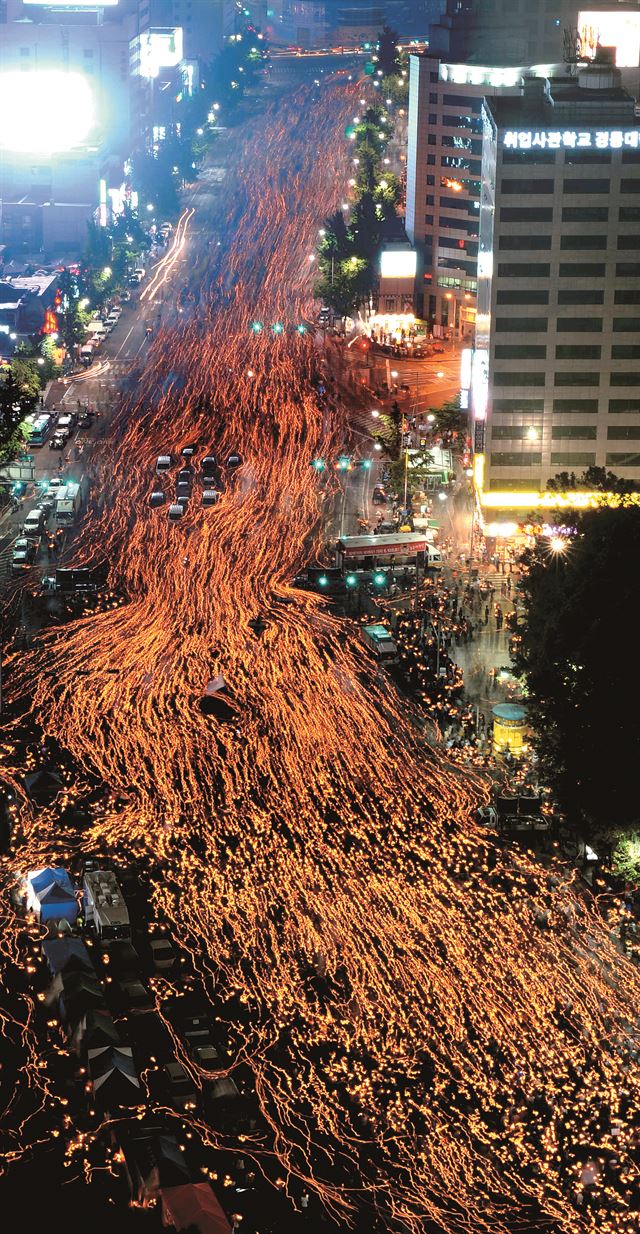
(486, 615)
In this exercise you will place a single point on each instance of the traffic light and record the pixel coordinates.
(366, 464)
(301, 329)
(318, 464)
(344, 463)
(351, 580)
(380, 579)
(323, 581)
(256, 326)
(277, 327)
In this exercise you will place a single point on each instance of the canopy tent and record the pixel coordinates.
(193, 1205)
(66, 954)
(94, 1030)
(51, 896)
(113, 1076)
(156, 1162)
(43, 786)
(123, 959)
(78, 993)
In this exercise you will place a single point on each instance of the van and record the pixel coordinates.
(86, 354)
(96, 327)
(163, 463)
(39, 431)
(432, 558)
(210, 497)
(175, 512)
(33, 523)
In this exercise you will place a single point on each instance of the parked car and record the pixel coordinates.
(164, 463)
(28, 545)
(175, 512)
(210, 497)
(157, 498)
(85, 419)
(21, 560)
(68, 419)
(188, 452)
(179, 1086)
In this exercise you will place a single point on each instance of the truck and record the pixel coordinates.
(68, 504)
(379, 640)
(104, 905)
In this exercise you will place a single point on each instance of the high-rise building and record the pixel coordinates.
(556, 371)
(505, 32)
(444, 156)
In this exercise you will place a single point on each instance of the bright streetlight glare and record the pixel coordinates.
(107, 272)
(430, 418)
(557, 544)
(442, 496)
(376, 445)
(440, 374)
(375, 413)
(46, 111)
(394, 373)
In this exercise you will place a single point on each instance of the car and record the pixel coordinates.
(384, 529)
(128, 994)
(125, 296)
(183, 489)
(28, 545)
(59, 439)
(185, 474)
(20, 561)
(140, 270)
(188, 452)
(163, 955)
(33, 523)
(183, 500)
(56, 482)
(135, 279)
(175, 512)
(378, 496)
(157, 498)
(179, 1087)
(165, 229)
(85, 419)
(210, 497)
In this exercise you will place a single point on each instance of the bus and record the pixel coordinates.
(399, 549)
(39, 430)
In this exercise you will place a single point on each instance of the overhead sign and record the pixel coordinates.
(160, 49)
(72, 4)
(571, 139)
(398, 264)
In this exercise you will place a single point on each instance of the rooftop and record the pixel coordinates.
(593, 97)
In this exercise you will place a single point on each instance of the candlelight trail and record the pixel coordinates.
(440, 1034)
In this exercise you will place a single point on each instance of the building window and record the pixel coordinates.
(628, 185)
(569, 185)
(577, 158)
(629, 214)
(622, 406)
(625, 379)
(522, 297)
(434, 77)
(628, 269)
(521, 325)
(627, 296)
(526, 214)
(583, 242)
(431, 139)
(629, 242)
(431, 180)
(577, 379)
(535, 157)
(624, 432)
(516, 460)
(433, 117)
(506, 432)
(433, 97)
(585, 432)
(585, 214)
(625, 351)
(525, 187)
(579, 325)
(578, 351)
(519, 379)
(431, 160)
(517, 351)
(573, 460)
(569, 405)
(518, 243)
(523, 270)
(623, 460)
(627, 324)
(462, 100)
(586, 296)
(582, 270)
(524, 405)
(428, 219)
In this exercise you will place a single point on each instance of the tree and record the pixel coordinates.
(594, 478)
(388, 57)
(581, 680)
(16, 402)
(25, 373)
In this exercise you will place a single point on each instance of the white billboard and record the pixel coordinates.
(610, 29)
(398, 264)
(45, 112)
(160, 49)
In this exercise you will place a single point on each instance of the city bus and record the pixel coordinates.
(399, 549)
(39, 430)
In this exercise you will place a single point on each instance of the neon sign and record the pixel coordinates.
(571, 139)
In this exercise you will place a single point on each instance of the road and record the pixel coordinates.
(432, 1025)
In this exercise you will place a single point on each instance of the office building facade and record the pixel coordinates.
(556, 370)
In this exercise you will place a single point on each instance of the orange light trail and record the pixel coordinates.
(439, 1031)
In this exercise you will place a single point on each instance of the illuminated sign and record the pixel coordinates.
(480, 384)
(45, 112)
(571, 139)
(72, 4)
(160, 49)
(618, 30)
(398, 264)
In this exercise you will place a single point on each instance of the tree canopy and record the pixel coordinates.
(581, 677)
(17, 399)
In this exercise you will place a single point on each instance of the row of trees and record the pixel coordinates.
(347, 252)
(580, 670)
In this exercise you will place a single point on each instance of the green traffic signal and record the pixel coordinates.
(277, 327)
(380, 579)
(344, 463)
(366, 463)
(318, 464)
(256, 326)
(351, 580)
(301, 329)
(323, 581)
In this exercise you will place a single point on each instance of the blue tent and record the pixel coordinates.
(66, 954)
(51, 895)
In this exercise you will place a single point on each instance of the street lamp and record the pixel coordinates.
(442, 496)
(394, 373)
(375, 413)
(430, 418)
(107, 272)
(40, 360)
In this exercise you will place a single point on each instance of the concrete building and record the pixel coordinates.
(556, 372)
(505, 32)
(444, 157)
